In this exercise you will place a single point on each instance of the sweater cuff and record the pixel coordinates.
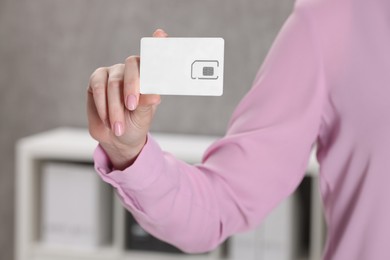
(138, 176)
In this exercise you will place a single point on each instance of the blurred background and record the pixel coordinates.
(49, 48)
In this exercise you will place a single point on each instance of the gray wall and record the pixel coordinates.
(48, 49)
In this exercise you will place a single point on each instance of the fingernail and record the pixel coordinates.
(131, 102)
(118, 128)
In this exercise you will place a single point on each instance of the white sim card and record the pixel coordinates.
(182, 66)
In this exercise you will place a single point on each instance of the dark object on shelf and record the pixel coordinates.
(138, 239)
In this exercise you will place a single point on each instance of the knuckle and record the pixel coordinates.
(101, 69)
(114, 82)
(116, 66)
(89, 89)
(96, 84)
(116, 73)
(98, 71)
(97, 87)
(115, 77)
(132, 58)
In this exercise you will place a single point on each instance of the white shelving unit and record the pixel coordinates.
(76, 146)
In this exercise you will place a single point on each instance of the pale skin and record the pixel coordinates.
(119, 117)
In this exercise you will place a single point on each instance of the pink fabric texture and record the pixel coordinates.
(326, 80)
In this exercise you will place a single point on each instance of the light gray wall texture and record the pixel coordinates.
(49, 48)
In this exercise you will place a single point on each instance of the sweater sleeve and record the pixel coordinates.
(244, 175)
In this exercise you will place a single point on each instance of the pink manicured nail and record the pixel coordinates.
(118, 129)
(131, 102)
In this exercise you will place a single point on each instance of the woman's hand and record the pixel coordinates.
(119, 117)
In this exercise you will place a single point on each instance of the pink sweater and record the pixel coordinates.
(326, 80)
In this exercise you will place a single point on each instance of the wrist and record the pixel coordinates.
(122, 155)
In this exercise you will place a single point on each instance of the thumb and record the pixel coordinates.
(160, 33)
(152, 99)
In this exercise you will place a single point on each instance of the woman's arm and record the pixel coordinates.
(243, 176)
